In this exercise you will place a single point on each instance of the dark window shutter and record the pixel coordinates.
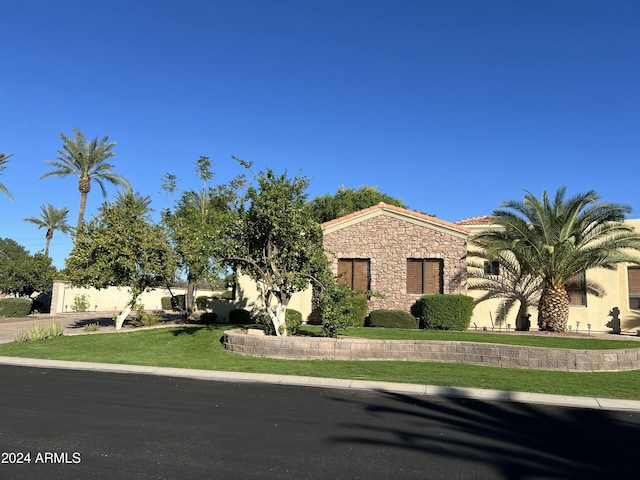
(577, 290)
(433, 275)
(345, 272)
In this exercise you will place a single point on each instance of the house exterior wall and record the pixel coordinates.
(248, 298)
(388, 242)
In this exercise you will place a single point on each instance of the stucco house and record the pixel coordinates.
(403, 254)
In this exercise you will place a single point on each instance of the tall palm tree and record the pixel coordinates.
(4, 157)
(88, 161)
(52, 219)
(555, 240)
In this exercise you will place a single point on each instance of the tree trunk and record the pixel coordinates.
(277, 314)
(189, 297)
(123, 316)
(553, 309)
(84, 186)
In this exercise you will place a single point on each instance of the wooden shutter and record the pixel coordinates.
(361, 274)
(345, 272)
(577, 290)
(414, 275)
(634, 280)
(433, 275)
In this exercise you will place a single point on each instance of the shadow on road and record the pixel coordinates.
(517, 441)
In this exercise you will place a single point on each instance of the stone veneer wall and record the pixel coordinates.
(388, 243)
(489, 354)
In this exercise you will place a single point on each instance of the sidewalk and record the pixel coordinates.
(8, 330)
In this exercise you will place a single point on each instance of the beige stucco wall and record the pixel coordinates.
(388, 240)
(248, 298)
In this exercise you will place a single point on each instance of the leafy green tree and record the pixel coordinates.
(52, 219)
(198, 228)
(4, 157)
(280, 243)
(347, 200)
(123, 248)
(21, 273)
(86, 160)
(557, 239)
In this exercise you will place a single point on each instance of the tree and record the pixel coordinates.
(280, 243)
(21, 273)
(52, 219)
(198, 228)
(347, 200)
(4, 158)
(555, 240)
(87, 161)
(121, 247)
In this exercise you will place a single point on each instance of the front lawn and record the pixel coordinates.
(201, 348)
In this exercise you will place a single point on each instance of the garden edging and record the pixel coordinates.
(487, 354)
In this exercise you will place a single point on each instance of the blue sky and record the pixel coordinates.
(451, 105)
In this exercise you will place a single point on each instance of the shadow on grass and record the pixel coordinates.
(514, 441)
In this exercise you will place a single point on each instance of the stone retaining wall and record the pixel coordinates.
(488, 354)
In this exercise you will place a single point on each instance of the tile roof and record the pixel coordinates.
(481, 220)
(392, 208)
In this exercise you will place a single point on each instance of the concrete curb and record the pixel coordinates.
(295, 380)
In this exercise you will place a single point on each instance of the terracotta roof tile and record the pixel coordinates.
(481, 220)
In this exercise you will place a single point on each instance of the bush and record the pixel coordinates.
(202, 301)
(80, 303)
(15, 307)
(446, 312)
(144, 319)
(166, 303)
(178, 303)
(238, 315)
(355, 309)
(226, 295)
(208, 318)
(293, 320)
(40, 333)
(391, 319)
(91, 327)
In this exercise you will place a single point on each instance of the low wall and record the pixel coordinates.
(487, 354)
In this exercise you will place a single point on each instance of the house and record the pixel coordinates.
(402, 255)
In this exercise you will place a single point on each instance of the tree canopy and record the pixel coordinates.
(86, 160)
(21, 273)
(347, 200)
(122, 247)
(51, 219)
(4, 157)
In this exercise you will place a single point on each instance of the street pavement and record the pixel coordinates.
(72, 326)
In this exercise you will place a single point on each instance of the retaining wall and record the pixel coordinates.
(488, 354)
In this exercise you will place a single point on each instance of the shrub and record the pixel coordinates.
(166, 303)
(80, 303)
(202, 301)
(208, 318)
(15, 307)
(293, 320)
(391, 319)
(239, 315)
(178, 303)
(355, 309)
(226, 295)
(446, 312)
(40, 333)
(91, 327)
(145, 319)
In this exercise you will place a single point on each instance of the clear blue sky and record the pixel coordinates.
(451, 105)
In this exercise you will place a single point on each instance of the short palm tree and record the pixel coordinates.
(52, 219)
(87, 161)
(4, 157)
(555, 240)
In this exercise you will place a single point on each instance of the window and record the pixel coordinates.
(491, 268)
(355, 273)
(633, 275)
(577, 290)
(424, 275)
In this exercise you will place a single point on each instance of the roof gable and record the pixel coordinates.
(394, 212)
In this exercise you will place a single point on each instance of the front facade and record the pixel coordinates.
(397, 253)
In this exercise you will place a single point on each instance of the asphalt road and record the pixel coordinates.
(78, 425)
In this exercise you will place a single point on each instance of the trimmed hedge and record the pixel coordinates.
(293, 320)
(166, 303)
(15, 307)
(226, 295)
(208, 318)
(238, 315)
(391, 319)
(356, 309)
(446, 312)
(202, 301)
(178, 303)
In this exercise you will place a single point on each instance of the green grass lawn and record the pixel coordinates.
(201, 348)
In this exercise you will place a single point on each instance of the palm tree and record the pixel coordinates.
(557, 240)
(87, 161)
(4, 157)
(52, 219)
